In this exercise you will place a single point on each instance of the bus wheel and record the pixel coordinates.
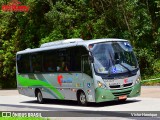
(39, 97)
(82, 99)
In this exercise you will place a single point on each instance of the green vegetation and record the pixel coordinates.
(50, 20)
(151, 82)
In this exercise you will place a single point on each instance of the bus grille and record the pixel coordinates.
(118, 86)
(127, 85)
(115, 86)
(121, 93)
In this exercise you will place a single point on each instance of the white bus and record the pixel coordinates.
(87, 71)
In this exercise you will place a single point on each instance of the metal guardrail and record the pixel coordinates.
(150, 80)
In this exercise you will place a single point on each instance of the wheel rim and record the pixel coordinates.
(82, 98)
(39, 97)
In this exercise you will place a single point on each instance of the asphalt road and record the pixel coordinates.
(149, 100)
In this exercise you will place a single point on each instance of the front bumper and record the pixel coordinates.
(102, 95)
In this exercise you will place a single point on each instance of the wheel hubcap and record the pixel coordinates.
(39, 97)
(82, 98)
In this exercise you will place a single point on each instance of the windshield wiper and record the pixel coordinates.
(130, 72)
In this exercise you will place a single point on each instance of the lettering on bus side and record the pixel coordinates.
(62, 80)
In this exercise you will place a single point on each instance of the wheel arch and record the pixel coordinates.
(78, 92)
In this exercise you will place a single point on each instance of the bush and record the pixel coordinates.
(156, 66)
(145, 58)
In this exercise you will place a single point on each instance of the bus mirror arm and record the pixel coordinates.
(91, 59)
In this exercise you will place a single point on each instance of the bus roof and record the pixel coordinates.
(67, 43)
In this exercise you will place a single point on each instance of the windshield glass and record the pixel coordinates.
(113, 57)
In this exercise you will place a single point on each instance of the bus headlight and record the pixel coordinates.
(101, 85)
(138, 80)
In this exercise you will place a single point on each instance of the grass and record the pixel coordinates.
(145, 77)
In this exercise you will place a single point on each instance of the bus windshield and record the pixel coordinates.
(113, 57)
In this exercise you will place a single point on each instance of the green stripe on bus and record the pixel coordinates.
(31, 82)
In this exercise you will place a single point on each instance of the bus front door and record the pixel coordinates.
(88, 83)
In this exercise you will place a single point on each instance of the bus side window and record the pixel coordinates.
(36, 59)
(63, 65)
(49, 61)
(23, 63)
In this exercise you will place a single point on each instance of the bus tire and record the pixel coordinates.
(39, 97)
(82, 99)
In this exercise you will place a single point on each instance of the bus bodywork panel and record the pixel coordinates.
(117, 88)
(52, 88)
(103, 95)
(56, 86)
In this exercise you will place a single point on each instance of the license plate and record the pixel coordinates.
(122, 97)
